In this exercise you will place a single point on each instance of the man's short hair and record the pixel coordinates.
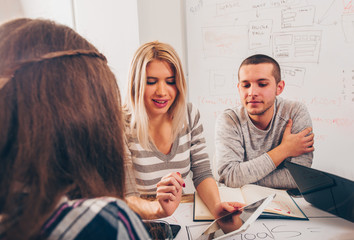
(261, 58)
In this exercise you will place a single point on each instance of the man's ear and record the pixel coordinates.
(280, 87)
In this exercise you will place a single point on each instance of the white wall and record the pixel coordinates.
(163, 20)
(10, 9)
(115, 27)
(111, 25)
(60, 11)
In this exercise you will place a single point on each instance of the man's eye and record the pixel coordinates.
(246, 85)
(263, 84)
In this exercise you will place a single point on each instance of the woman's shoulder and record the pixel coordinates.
(85, 215)
(127, 117)
(192, 109)
(193, 114)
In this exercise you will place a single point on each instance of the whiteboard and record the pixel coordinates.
(312, 40)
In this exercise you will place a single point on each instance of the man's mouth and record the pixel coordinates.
(253, 102)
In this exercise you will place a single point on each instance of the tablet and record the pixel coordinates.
(236, 222)
(159, 229)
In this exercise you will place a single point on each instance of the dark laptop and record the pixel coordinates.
(326, 191)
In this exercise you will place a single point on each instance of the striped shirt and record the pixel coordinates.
(188, 153)
(97, 218)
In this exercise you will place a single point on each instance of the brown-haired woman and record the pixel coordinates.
(61, 138)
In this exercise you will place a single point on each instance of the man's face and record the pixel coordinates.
(258, 89)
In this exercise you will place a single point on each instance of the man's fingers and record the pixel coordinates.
(309, 143)
(288, 127)
(308, 138)
(309, 149)
(306, 132)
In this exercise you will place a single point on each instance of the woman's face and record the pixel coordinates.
(160, 90)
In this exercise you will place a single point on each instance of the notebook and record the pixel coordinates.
(283, 205)
(227, 226)
(326, 191)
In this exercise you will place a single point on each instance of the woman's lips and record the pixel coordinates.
(160, 103)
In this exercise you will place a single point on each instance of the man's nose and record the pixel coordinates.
(253, 91)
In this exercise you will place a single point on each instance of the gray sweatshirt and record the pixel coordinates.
(241, 148)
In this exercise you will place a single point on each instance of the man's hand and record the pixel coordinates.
(292, 145)
(297, 144)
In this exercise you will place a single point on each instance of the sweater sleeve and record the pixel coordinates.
(130, 182)
(281, 177)
(302, 120)
(200, 162)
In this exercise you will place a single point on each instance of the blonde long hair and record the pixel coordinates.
(135, 105)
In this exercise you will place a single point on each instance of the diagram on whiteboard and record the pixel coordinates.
(313, 41)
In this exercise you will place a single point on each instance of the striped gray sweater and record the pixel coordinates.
(145, 168)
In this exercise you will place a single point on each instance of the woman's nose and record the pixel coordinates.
(161, 89)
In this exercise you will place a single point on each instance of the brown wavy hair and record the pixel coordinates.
(61, 129)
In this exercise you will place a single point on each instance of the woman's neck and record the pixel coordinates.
(156, 121)
(160, 131)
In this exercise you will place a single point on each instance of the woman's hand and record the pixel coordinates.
(169, 192)
(231, 222)
(223, 208)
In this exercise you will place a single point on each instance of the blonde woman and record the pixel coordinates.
(165, 136)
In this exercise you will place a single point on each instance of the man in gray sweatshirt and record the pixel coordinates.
(254, 140)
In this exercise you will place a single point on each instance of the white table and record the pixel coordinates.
(321, 225)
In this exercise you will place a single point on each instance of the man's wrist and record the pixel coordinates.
(278, 154)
